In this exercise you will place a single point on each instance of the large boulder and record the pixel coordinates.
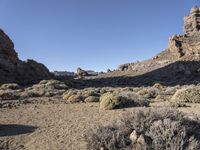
(81, 73)
(14, 70)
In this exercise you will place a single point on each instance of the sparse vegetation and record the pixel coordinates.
(92, 99)
(9, 95)
(9, 86)
(149, 93)
(110, 101)
(148, 129)
(177, 104)
(187, 95)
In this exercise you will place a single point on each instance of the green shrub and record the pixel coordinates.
(110, 101)
(160, 129)
(120, 100)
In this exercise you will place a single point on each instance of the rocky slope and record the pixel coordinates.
(14, 70)
(181, 48)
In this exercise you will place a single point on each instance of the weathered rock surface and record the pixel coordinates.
(181, 49)
(81, 73)
(14, 70)
(192, 22)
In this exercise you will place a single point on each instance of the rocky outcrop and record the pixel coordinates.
(14, 70)
(181, 48)
(192, 21)
(81, 73)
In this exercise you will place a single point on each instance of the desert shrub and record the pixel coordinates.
(10, 86)
(73, 96)
(171, 90)
(127, 89)
(45, 88)
(103, 91)
(160, 129)
(90, 92)
(187, 95)
(158, 85)
(110, 101)
(9, 95)
(32, 93)
(134, 100)
(177, 104)
(163, 98)
(120, 100)
(149, 93)
(69, 93)
(92, 99)
(52, 84)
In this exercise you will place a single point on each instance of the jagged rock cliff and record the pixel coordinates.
(14, 70)
(184, 47)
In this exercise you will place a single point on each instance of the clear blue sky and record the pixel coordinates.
(91, 34)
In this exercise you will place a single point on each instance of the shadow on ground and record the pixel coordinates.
(178, 73)
(15, 129)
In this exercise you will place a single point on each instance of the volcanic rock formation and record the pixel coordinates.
(14, 70)
(184, 47)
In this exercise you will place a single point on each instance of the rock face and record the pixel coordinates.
(189, 43)
(192, 22)
(14, 70)
(185, 47)
(81, 73)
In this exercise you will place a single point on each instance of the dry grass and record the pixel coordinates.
(147, 130)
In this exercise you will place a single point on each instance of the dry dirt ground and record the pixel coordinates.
(57, 126)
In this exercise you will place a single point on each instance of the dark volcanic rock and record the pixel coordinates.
(14, 70)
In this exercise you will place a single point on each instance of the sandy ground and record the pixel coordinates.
(56, 126)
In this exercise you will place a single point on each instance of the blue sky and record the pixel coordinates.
(91, 34)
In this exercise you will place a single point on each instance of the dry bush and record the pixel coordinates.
(92, 99)
(87, 95)
(9, 86)
(121, 100)
(161, 129)
(187, 95)
(72, 96)
(177, 104)
(55, 84)
(158, 85)
(9, 95)
(45, 88)
(162, 98)
(171, 90)
(134, 100)
(149, 93)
